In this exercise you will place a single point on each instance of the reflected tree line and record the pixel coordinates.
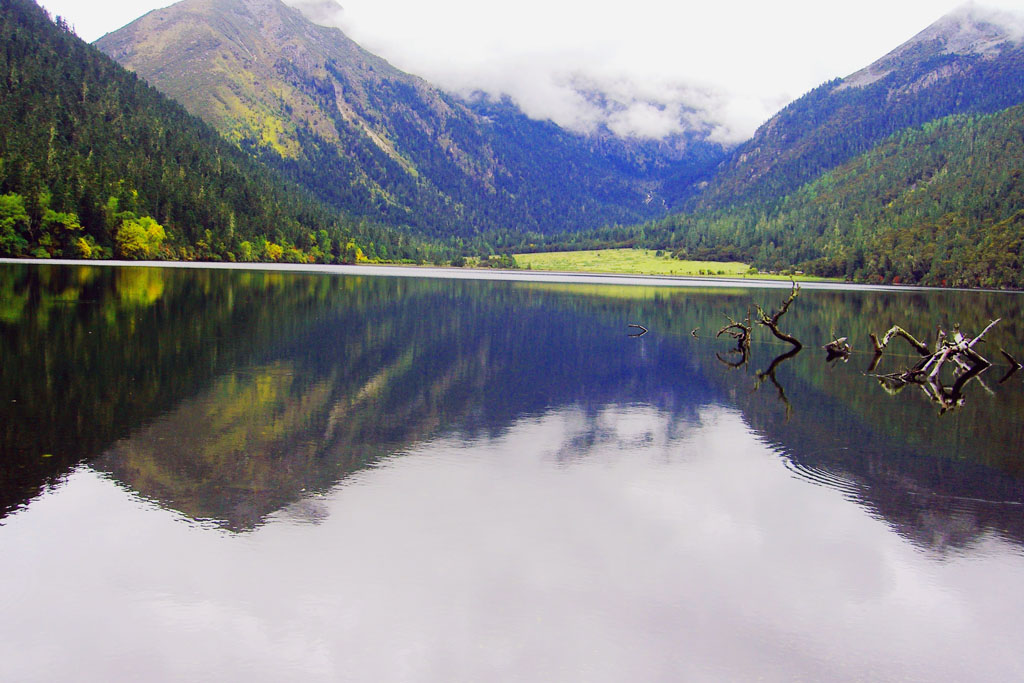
(91, 352)
(230, 396)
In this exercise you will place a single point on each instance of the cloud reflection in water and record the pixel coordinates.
(621, 544)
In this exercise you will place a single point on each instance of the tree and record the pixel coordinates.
(14, 221)
(139, 238)
(59, 231)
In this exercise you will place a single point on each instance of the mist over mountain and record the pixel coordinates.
(584, 90)
(907, 171)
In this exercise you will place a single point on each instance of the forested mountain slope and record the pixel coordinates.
(369, 138)
(970, 61)
(94, 162)
(872, 178)
(941, 204)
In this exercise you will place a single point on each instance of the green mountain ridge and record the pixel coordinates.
(940, 204)
(906, 171)
(374, 140)
(93, 163)
(970, 61)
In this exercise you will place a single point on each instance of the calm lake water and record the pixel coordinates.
(246, 475)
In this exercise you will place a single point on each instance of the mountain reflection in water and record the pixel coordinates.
(412, 462)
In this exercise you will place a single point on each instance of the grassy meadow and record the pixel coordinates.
(629, 262)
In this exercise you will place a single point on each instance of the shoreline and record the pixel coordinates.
(452, 273)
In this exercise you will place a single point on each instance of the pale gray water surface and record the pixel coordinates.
(270, 476)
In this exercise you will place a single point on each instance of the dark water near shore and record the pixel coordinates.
(246, 475)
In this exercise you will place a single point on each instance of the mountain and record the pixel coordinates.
(970, 61)
(94, 162)
(940, 204)
(907, 171)
(369, 138)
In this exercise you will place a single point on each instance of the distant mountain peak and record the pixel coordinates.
(974, 29)
(969, 30)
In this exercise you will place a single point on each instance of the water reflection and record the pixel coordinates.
(660, 551)
(230, 395)
(769, 374)
(433, 479)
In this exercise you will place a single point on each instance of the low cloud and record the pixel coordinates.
(585, 98)
(977, 21)
(323, 12)
(644, 70)
(582, 86)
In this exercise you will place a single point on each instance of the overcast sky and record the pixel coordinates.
(727, 65)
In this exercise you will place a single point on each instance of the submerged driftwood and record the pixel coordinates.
(837, 349)
(955, 349)
(740, 332)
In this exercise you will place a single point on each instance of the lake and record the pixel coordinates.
(263, 475)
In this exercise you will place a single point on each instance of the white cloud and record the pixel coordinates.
(325, 12)
(727, 66)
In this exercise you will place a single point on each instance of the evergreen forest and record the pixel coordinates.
(941, 204)
(94, 163)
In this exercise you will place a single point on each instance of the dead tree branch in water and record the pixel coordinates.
(772, 321)
(956, 349)
(642, 332)
(836, 349)
(738, 331)
(897, 331)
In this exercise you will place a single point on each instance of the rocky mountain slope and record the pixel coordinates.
(372, 139)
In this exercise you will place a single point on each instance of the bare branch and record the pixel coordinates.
(897, 331)
(772, 321)
(927, 373)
